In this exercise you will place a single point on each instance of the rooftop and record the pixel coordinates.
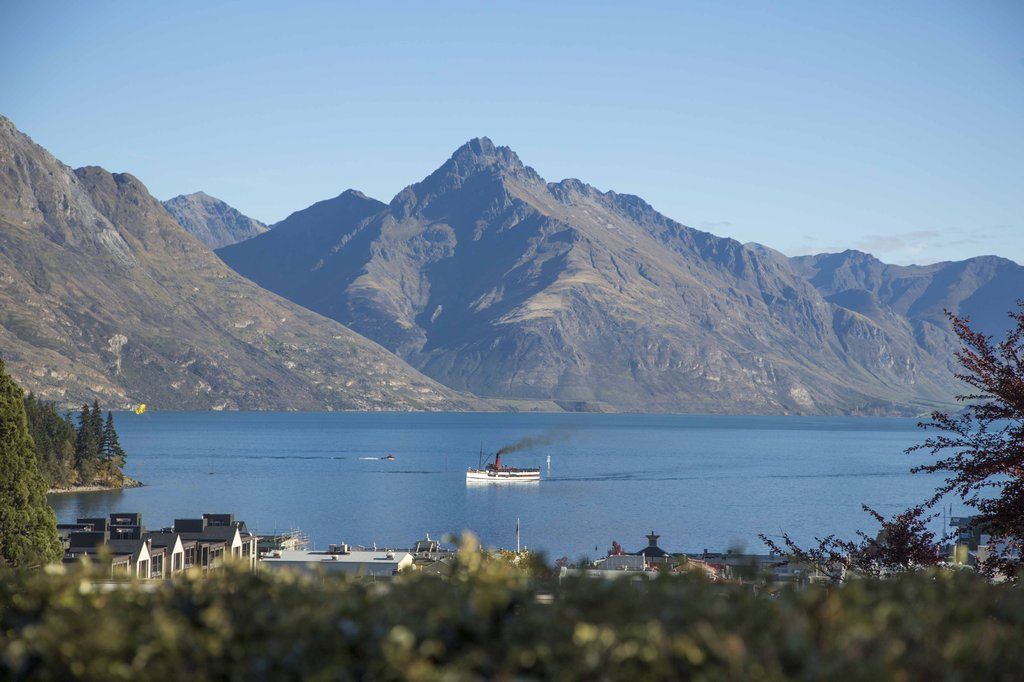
(353, 556)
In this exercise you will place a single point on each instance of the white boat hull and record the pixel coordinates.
(489, 476)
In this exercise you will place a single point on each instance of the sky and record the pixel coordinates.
(894, 128)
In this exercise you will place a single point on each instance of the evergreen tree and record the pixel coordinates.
(28, 527)
(54, 438)
(113, 454)
(87, 446)
(96, 426)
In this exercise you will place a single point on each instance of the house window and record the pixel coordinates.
(176, 561)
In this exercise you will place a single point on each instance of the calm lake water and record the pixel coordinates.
(699, 481)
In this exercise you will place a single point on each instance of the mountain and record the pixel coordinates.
(983, 288)
(305, 242)
(104, 295)
(211, 220)
(490, 279)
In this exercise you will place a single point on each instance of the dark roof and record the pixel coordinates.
(132, 547)
(653, 551)
(161, 539)
(218, 533)
(206, 538)
(80, 540)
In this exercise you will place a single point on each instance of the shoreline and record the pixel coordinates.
(95, 488)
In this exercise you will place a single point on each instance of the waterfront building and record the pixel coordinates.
(204, 543)
(128, 558)
(654, 555)
(740, 566)
(339, 559)
(622, 562)
(174, 547)
(219, 537)
(277, 540)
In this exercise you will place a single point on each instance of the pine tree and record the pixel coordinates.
(113, 454)
(28, 527)
(86, 447)
(96, 425)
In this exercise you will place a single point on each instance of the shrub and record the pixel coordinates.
(486, 622)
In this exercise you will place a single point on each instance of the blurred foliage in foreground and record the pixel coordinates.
(485, 621)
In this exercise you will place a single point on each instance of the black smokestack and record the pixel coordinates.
(530, 442)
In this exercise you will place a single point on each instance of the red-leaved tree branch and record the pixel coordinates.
(981, 449)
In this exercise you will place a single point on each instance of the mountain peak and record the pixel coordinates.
(478, 145)
(477, 157)
(213, 221)
(481, 152)
(354, 194)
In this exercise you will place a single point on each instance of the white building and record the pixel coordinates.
(379, 564)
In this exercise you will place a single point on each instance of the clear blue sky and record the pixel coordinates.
(897, 128)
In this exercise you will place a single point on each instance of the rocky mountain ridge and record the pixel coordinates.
(492, 280)
(104, 295)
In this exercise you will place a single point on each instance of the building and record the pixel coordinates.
(219, 537)
(277, 540)
(622, 562)
(201, 544)
(340, 559)
(742, 567)
(654, 555)
(180, 553)
(974, 544)
(128, 558)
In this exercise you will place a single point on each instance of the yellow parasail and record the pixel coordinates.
(141, 409)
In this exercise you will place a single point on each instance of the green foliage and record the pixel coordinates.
(111, 450)
(98, 455)
(70, 454)
(54, 438)
(28, 527)
(486, 622)
(87, 447)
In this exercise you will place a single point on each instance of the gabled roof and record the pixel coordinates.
(161, 539)
(127, 547)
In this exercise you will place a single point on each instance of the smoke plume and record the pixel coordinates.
(530, 442)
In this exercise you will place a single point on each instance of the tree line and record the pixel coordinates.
(70, 451)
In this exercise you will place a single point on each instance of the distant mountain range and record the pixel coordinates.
(982, 288)
(211, 220)
(103, 295)
(482, 276)
(492, 280)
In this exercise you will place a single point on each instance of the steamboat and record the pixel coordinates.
(496, 472)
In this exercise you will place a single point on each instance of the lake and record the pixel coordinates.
(699, 481)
